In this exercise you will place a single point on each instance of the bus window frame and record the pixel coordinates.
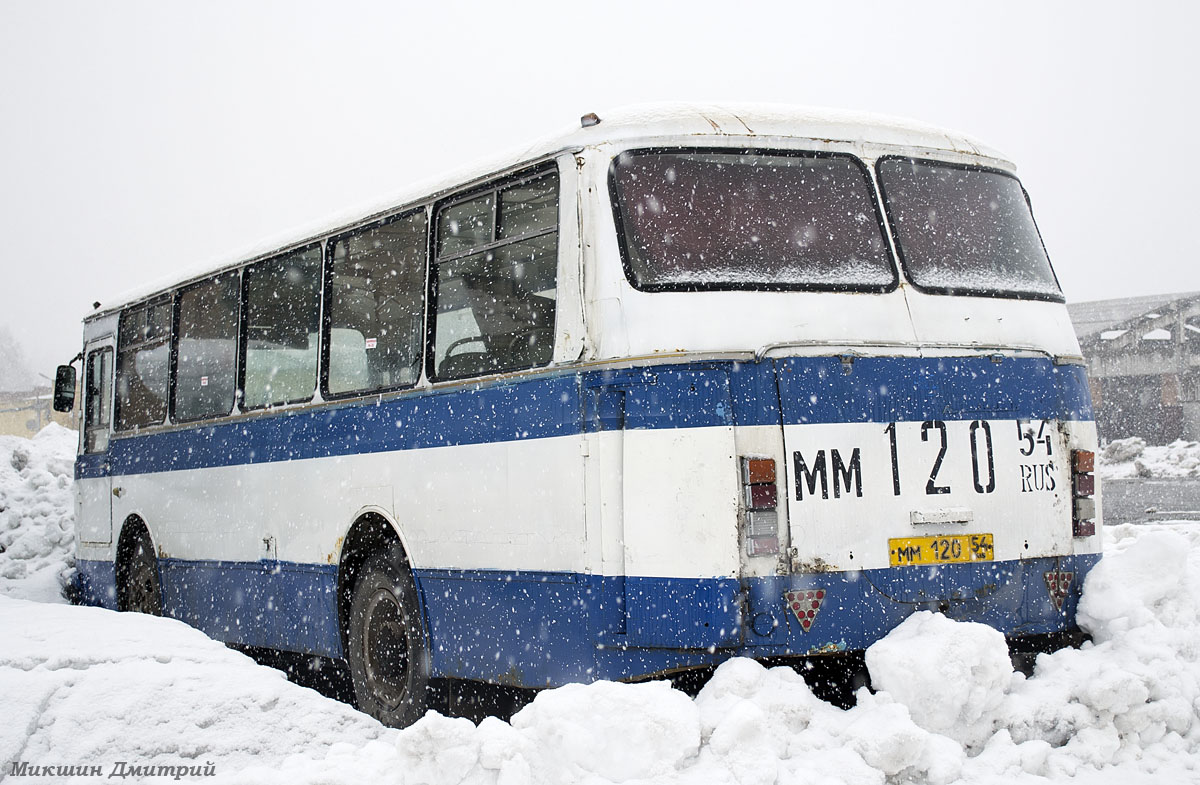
(244, 328)
(108, 402)
(494, 185)
(735, 286)
(956, 291)
(167, 298)
(326, 326)
(177, 297)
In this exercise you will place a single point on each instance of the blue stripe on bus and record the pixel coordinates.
(537, 629)
(272, 604)
(809, 390)
(826, 390)
(95, 583)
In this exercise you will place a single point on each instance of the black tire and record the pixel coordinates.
(387, 647)
(138, 589)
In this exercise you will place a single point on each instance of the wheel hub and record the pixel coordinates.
(385, 648)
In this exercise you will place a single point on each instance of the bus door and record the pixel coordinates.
(95, 486)
(675, 439)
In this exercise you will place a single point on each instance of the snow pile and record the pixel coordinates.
(1132, 698)
(603, 732)
(86, 685)
(971, 662)
(37, 513)
(1123, 458)
(748, 725)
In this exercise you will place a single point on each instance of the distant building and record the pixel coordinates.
(1143, 356)
(26, 413)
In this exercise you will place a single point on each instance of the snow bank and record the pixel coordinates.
(86, 685)
(89, 686)
(1123, 458)
(1130, 700)
(37, 513)
(951, 676)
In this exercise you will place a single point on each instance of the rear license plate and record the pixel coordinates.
(947, 549)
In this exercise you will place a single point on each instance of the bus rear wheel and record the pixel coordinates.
(137, 584)
(388, 651)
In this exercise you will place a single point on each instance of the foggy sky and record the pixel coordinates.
(141, 138)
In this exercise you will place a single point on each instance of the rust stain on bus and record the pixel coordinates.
(331, 557)
(816, 565)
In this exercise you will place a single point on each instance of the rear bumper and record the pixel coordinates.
(859, 608)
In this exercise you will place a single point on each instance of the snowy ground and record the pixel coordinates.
(1122, 458)
(88, 687)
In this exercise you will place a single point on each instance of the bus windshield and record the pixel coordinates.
(703, 219)
(965, 230)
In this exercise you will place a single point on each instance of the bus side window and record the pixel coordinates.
(376, 306)
(142, 360)
(282, 314)
(97, 413)
(497, 264)
(206, 348)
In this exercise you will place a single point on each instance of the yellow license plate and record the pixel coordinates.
(946, 549)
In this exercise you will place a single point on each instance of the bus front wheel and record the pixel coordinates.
(388, 651)
(138, 586)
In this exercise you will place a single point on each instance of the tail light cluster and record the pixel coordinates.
(1083, 492)
(761, 500)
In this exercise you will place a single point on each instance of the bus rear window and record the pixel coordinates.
(693, 219)
(965, 230)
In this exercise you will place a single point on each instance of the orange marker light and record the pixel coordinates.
(759, 470)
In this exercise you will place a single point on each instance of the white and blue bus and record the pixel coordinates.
(683, 384)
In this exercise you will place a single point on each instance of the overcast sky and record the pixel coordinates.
(140, 138)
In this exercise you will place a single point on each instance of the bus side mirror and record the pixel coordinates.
(64, 388)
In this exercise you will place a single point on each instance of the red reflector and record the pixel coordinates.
(761, 497)
(1085, 484)
(759, 470)
(1084, 460)
(1083, 528)
(1058, 583)
(804, 605)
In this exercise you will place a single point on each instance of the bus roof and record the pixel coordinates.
(771, 120)
(720, 121)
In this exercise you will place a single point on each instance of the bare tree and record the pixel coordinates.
(15, 375)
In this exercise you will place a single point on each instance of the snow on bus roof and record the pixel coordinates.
(778, 120)
(615, 126)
